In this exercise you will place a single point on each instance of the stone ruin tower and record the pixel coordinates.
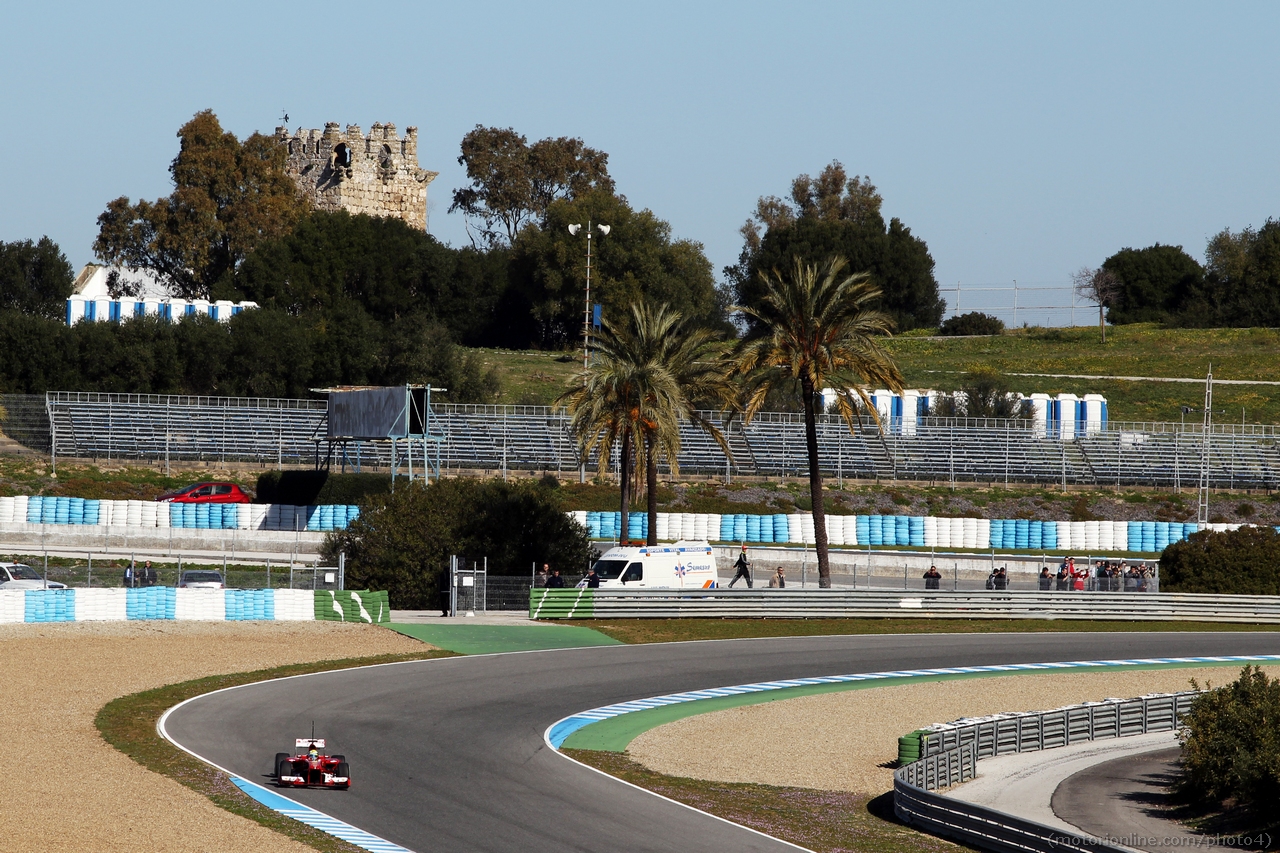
(376, 174)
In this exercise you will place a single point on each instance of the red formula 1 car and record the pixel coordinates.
(310, 767)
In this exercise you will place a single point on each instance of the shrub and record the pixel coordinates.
(1240, 562)
(973, 323)
(1231, 746)
(402, 541)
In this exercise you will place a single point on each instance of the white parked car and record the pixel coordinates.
(201, 580)
(19, 576)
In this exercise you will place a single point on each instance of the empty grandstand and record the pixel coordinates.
(536, 438)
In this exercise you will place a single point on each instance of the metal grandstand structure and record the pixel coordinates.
(537, 438)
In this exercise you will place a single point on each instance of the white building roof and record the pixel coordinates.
(91, 283)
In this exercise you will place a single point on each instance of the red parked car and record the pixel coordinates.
(206, 493)
(310, 766)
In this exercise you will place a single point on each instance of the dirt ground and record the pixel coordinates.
(844, 741)
(69, 790)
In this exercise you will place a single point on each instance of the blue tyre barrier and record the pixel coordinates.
(781, 532)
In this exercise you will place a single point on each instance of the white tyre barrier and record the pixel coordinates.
(202, 605)
(663, 527)
(13, 605)
(101, 605)
(984, 533)
(295, 605)
(6, 511)
(835, 530)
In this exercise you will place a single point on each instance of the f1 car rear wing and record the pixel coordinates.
(308, 742)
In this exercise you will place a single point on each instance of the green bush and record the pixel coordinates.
(1231, 746)
(973, 323)
(1240, 562)
(402, 541)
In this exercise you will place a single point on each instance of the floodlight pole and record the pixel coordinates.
(586, 313)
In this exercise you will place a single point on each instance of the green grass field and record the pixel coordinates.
(934, 362)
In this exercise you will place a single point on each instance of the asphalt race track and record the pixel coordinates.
(448, 754)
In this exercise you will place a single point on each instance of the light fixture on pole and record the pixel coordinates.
(586, 319)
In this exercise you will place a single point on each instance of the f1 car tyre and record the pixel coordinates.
(284, 768)
(338, 758)
(344, 770)
(280, 756)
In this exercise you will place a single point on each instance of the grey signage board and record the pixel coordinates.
(369, 413)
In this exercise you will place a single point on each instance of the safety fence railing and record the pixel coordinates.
(538, 438)
(947, 754)
(615, 603)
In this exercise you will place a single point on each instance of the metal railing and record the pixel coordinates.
(830, 603)
(538, 438)
(950, 753)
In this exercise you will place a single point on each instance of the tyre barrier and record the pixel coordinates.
(39, 509)
(170, 603)
(1094, 537)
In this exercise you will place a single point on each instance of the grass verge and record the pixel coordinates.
(129, 724)
(679, 630)
(824, 821)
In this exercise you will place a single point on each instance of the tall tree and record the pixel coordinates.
(834, 214)
(514, 183)
(660, 367)
(1101, 287)
(1153, 283)
(638, 261)
(227, 197)
(35, 278)
(816, 327)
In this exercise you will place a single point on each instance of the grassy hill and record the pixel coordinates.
(933, 362)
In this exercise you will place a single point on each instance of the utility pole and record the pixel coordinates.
(1202, 515)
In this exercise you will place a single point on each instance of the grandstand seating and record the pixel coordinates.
(538, 438)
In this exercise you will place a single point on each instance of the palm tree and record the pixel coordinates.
(816, 327)
(646, 376)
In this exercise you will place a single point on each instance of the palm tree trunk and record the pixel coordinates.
(651, 487)
(815, 485)
(624, 466)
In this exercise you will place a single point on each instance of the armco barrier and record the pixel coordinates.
(949, 753)
(828, 603)
(166, 602)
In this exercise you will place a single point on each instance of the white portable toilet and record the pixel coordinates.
(151, 307)
(1067, 412)
(197, 308)
(102, 309)
(1095, 413)
(910, 411)
(222, 309)
(75, 311)
(882, 399)
(1040, 414)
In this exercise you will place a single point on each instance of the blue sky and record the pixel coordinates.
(1020, 141)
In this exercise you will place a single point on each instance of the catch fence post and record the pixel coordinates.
(90, 571)
(342, 570)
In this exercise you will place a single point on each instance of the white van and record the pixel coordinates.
(682, 565)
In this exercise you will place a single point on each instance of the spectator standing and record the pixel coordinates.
(130, 574)
(1046, 579)
(932, 578)
(1131, 579)
(1062, 578)
(148, 574)
(444, 589)
(543, 574)
(1000, 578)
(778, 580)
(593, 579)
(555, 581)
(742, 568)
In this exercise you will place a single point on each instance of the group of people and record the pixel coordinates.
(135, 576)
(1108, 576)
(742, 571)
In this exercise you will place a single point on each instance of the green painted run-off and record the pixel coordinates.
(490, 639)
(615, 734)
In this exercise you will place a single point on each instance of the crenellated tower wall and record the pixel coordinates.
(377, 173)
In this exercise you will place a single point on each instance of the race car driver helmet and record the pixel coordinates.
(313, 753)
